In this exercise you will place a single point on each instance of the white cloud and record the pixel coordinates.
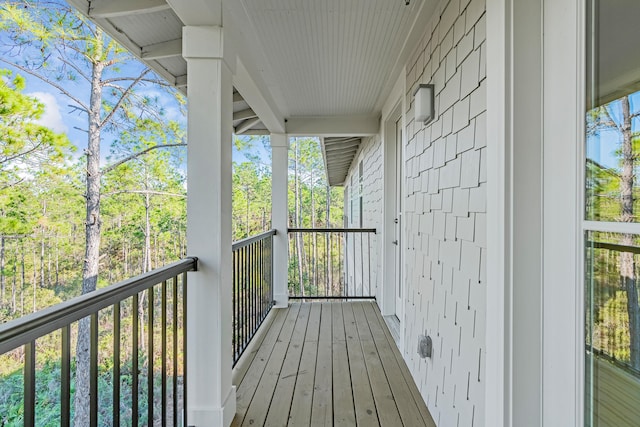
(51, 117)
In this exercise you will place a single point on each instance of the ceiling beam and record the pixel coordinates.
(257, 132)
(332, 141)
(330, 126)
(256, 94)
(114, 8)
(343, 144)
(162, 50)
(334, 160)
(181, 81)
(246, 125)
(244, 114)
(198, 12)
(342, 166)
(334, 151)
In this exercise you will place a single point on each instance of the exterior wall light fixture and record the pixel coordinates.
(424, 105)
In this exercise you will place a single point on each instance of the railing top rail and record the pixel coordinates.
(332, 230)
(28, 328)
(249, 240)
(614, 247)
(617, 362)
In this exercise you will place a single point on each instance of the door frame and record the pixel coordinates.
(389, 267)
(398, 236)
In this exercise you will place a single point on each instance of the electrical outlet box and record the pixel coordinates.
(425, 346)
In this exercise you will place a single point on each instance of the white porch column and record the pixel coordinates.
(280, 216)
(211, 400)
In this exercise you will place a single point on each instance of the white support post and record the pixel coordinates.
(211, 400)
(280, 217)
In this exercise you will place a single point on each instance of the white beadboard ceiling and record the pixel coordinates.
(318, 59)
(329, 57)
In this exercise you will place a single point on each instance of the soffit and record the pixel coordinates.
(617, 62)
(338, 155)
(152, 32)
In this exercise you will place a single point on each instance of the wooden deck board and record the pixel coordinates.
(328, 364)
(343, 408)
(387, 409)
(258, 409)
(405, 402)
(246, 389)
(413, 388)
(322, 408)
(283, 394)
(365, 407)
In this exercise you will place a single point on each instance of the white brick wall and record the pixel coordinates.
(446, 233)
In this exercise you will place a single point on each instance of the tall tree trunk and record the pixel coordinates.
(92, 242)
(34, 278)
(627, 263)
(246, 188)
(155, 251)
(22, 281)
(42, 232)
(15, 278)
(57, 261)
(2, 242)
(125, 256)
(314, 260)
(146, 259)
(42, 253)
(296, 203)
(329, 258)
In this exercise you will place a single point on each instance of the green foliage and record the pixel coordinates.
(26, 147)
(612, 327)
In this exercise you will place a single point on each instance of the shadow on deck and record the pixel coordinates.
(326, 363)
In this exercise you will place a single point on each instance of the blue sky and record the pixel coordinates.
(602, 147)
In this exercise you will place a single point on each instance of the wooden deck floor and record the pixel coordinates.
(325, 364)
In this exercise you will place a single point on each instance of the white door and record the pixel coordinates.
(398, 219)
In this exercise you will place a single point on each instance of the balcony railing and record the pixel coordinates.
(116, 320)
(331, 263)
(252, 288)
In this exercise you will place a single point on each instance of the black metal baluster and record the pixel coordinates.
(116, 364)
(261, 279)
(150, 310)
(29, 384)
(65, 378)
(252, 284)
(163, 315)
(174, 327)
(326, 284)
(260, 282)
(271, 296)
(134, 361)
(361, 267)
(245, 286)
(93, 373)
(184, 351)
(234, 294)
(369, 258)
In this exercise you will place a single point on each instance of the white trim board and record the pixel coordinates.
(533, 296)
